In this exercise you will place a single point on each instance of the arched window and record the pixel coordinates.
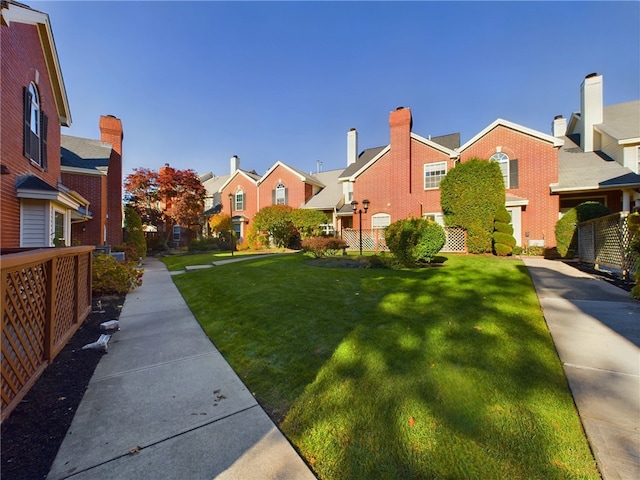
(380, 220)
(280, 194)
(239, 199)
(502, 159)
(35, 127)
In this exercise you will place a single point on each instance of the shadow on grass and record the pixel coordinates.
(430, 373)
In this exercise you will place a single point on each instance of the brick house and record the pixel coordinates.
(240, 194)
(95, 167)
(37, 208)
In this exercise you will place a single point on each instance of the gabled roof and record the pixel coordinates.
(329, 197)
(622, 122)
(214, 184)
(306, 178)
(33, 187)
(84, 153)
(555, 141)
(364, 162)
(252, 177)
(438, 146)
(580, 171)
(20, 13)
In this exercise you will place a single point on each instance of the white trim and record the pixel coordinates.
(94, 172)
(237, 172)
(352, 178)
(434, 165)
(430, 143)
(556, 142)
(301, 176)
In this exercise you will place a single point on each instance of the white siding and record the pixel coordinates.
(33, 229)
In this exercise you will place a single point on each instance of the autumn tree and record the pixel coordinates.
(220, 223)
(166, 198)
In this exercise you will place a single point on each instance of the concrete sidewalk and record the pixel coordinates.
(164, 403)
(596, 329)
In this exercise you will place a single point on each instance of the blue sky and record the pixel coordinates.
(197, 82)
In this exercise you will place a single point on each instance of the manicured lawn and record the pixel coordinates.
(179, 261)
(442, 372)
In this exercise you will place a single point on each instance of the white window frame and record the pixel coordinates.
(437, 217)
(380, 220)
(239, 200)
(433, 174)
(502, 159)
(281, 194)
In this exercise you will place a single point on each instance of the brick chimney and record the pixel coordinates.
(111, 132)
(400, 123)
(352, 146)
(591, 106)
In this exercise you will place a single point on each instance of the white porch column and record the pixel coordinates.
(626, 200)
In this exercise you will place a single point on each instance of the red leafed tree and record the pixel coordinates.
(166, 198)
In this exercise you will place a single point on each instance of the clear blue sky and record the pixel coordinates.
(197, 82)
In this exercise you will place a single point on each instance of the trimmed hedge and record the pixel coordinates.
(566, 238)
(415, 240)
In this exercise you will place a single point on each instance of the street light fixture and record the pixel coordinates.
(354, 205)
(231, 222)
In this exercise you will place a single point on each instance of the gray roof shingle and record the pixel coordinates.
(84, 152)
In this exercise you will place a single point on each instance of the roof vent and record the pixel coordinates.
(591, 75)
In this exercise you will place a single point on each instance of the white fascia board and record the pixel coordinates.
(352, 178)
(84, 171)
(230, 179)
(556, 142)
(28, 16)
(437, 146)
(516, 203)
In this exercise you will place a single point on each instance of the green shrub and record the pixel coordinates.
(503, 240)
(503, 228)
(415, 240)
(109, 276)
(502, 250)
(209, 244)
(566, 238)
(321, 246)
(133, 233)
(470, 195)
(131, 253)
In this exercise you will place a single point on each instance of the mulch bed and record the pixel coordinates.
(34, 431)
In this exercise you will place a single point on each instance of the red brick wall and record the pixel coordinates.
(111, 132)
(22, 62)
(94, 189)
(239, 181)
(537, 169)
(297, 193)
(395, 183)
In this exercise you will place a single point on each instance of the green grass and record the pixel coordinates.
(179, 261)
(441, 372)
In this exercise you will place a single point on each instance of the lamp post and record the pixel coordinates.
(354, 205)
(231, 222)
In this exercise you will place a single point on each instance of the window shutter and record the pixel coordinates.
(43, 139)
(273, 197)
(243, 196)
(286, 196)
(513, 173)
(26, 97)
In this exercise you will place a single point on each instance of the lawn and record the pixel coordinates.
(441, 372)
(179, 261)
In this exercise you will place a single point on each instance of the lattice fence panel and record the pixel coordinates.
(586, 242)
(456, 240)
(23, 328)
(84, 287)
(605, 241)
(373, 240)
(65, 312)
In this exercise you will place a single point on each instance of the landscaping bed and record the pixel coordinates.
(34, 431)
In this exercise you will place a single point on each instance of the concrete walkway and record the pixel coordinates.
(164, 404)
(596, 329)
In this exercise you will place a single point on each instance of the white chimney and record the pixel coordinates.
(352, 146)
(590, 109)
(559, 126)
(235, 164)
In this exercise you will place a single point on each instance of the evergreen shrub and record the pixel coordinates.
(415, 240)
(566, 238)
(109, 276)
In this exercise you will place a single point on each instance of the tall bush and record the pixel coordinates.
(133, 234)
(470, 195)
(415, 240)
(566, 238)
(275, 221)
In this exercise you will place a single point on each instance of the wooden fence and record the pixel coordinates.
(46, 295)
